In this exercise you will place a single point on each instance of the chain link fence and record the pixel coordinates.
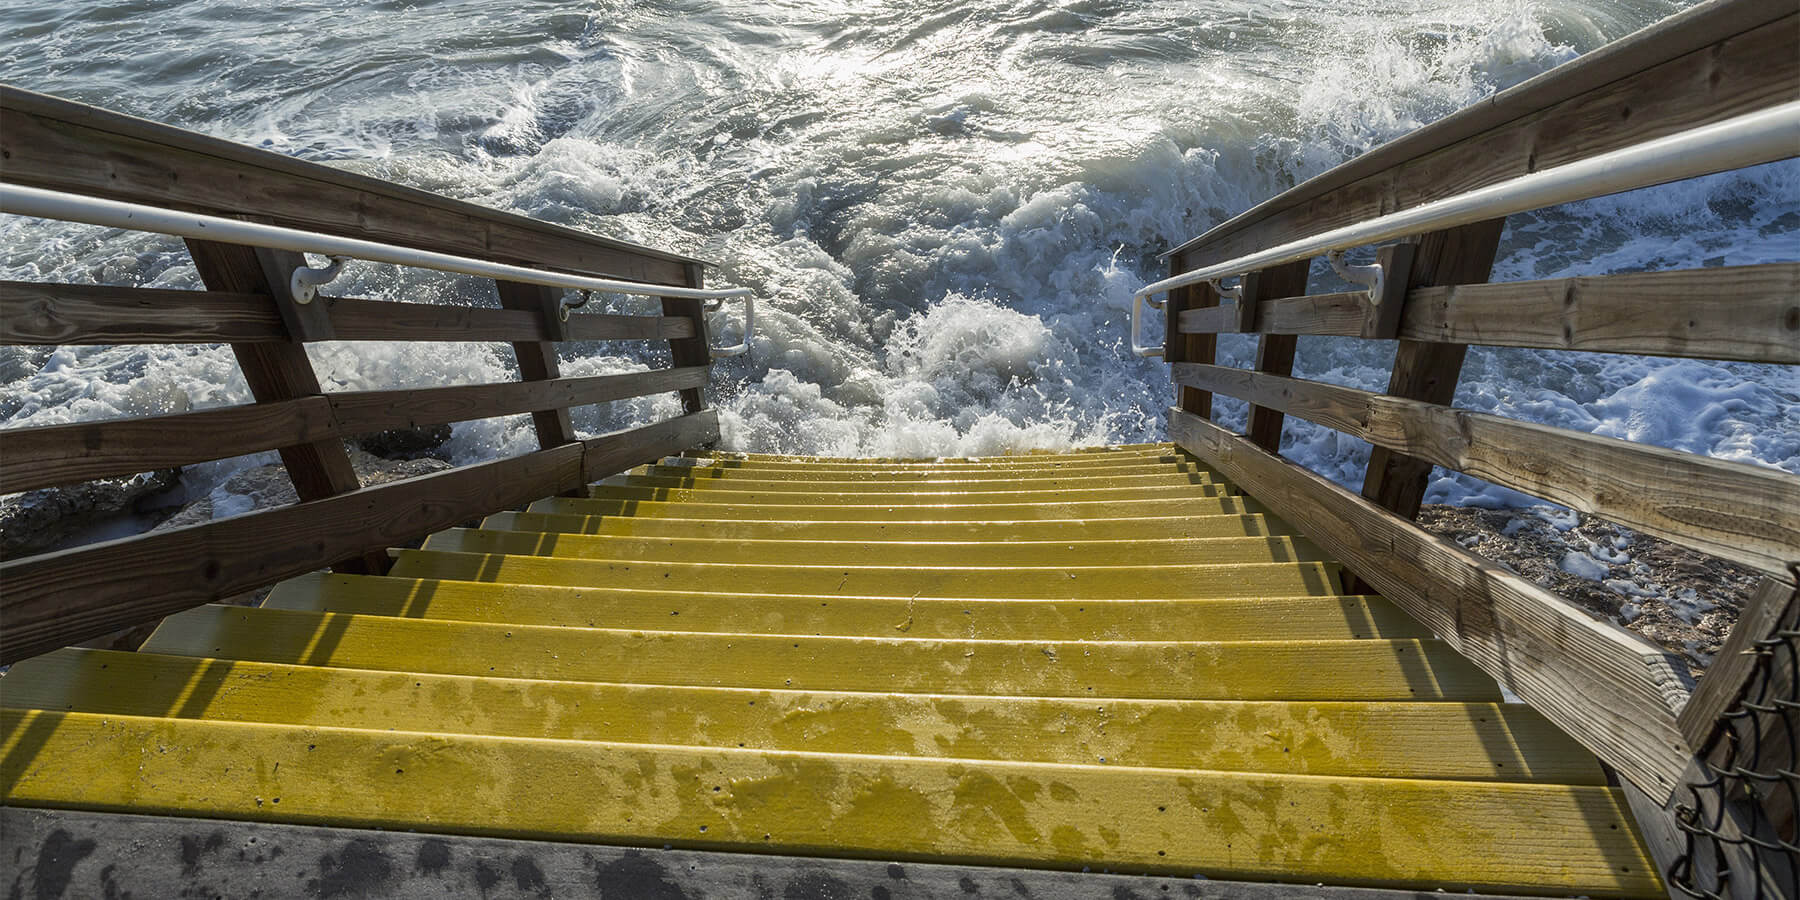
(1738, 816)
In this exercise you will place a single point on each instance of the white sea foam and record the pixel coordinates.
(944, 206)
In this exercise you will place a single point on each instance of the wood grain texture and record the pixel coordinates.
(53, 143)
(1708, 64)
(45, 313)
(59, 314)
(1207, 320)
(544, 301)
(693, 350)
(613, 327)
(305, 322)
(1199, 299)
(364, 412)
(1745, 513)
(56, 599)
(1609, 689)
(1735, 663)
(537, 359)
(1663, 839)
(1396, 261)
(1274, 352)
(620, 451)
(1346, 313)
(380, 320)
(1748, 313)
(1428, 371)
(32, 458)
(276, 371)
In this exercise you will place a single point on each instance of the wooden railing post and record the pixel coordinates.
(1428, 371)
(281, 370)
(1178, 347)
(537, 360)
(692, 351)
(1274, 352)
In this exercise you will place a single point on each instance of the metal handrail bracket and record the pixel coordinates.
(743, 346)
(1372, 276)
(305, 282)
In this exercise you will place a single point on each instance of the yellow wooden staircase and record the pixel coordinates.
(1105, 659)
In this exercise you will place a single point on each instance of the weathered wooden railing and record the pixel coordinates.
(1722, 62)
(53, 599)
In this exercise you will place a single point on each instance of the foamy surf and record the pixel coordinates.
(946, 205)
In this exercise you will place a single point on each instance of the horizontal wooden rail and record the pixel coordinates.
(58, 314)
(1609, 689)
(1748, 313)
(363, 412)
(1744, 513)
(65, 146)
(375, 320)
(64, 454)
(1225, 319)
(1704, 65)
(49, 455)
(56, 599)
(380, 320)
(615, 453)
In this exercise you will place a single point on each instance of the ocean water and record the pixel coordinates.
(944, 207)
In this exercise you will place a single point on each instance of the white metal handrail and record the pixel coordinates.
(46, 204)
(1137, 308)
(1747, 140)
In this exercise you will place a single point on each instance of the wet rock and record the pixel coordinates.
(1681, 598)
(405, 443)
(264, 487)
(39, 520)
(373, 470)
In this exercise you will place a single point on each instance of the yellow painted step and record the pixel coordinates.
(1164, 551)
(1237, 619)
(755, 529)
(910, 498)
(1187, 582)
(677, 479)
(1382, 669)
(852, 468)
(1462, 741)
(916, 475)
(894, 512)
(1113, 451)
(861, 467)
(1382, 831)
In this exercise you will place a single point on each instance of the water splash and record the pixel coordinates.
(945, 204)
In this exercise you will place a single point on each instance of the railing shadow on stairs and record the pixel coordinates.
(1713, 89)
